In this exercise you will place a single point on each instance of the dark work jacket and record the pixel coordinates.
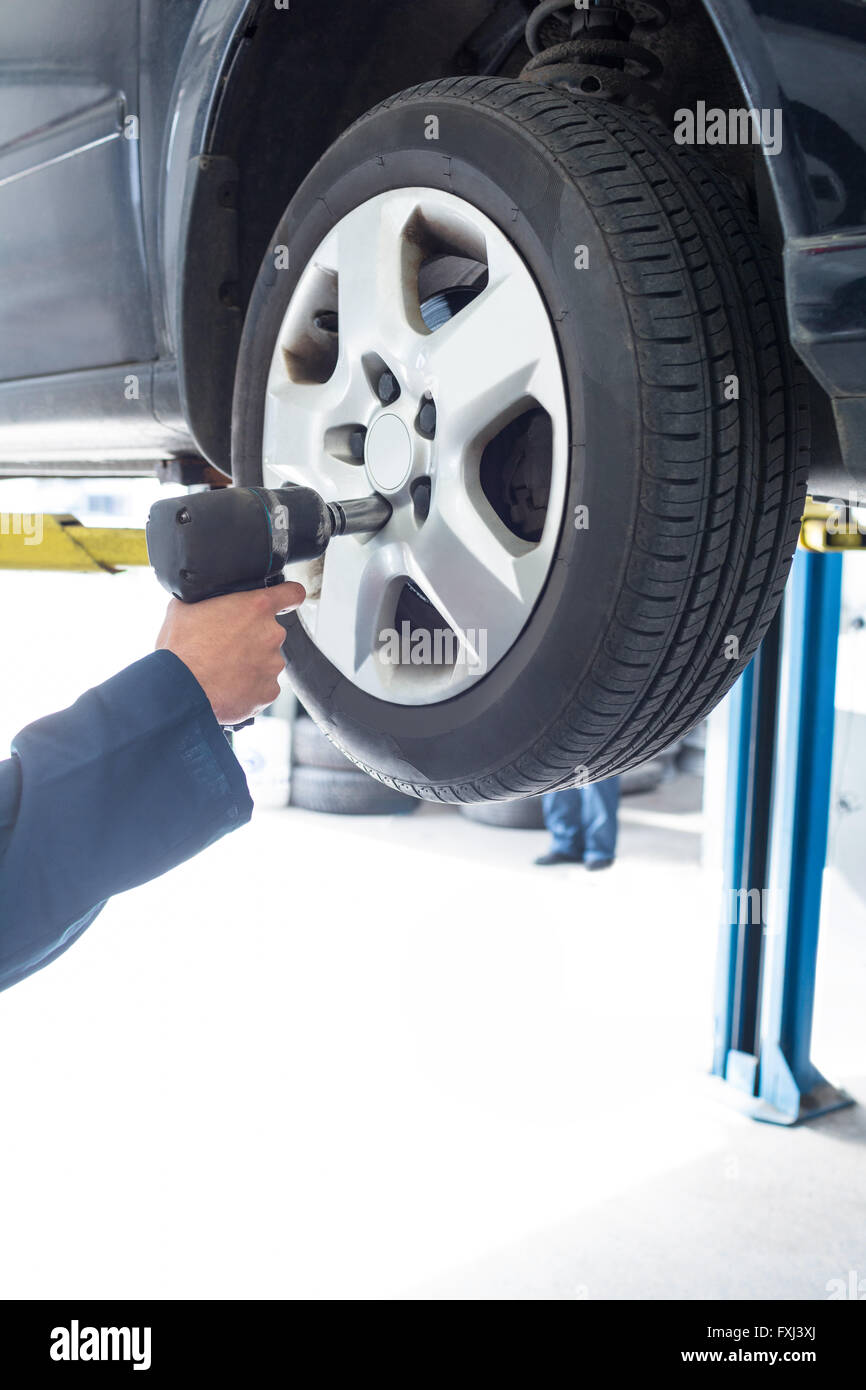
(131, 780)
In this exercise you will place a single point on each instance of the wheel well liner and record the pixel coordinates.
(293, 81)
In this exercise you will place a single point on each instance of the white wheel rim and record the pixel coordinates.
(496, 358)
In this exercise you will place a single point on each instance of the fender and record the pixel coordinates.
(810, 61)
(206, 58)
(739, 28)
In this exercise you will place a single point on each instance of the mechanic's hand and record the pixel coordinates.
(232, 646)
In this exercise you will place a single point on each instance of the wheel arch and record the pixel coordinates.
(780, 52)
(251, 73)
(260, 95)
(744, 42)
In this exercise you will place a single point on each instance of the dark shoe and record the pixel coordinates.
(593, 864)
(554, 857)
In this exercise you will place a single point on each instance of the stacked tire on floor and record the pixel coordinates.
(527, 814)
(692, 752)
(324, 779)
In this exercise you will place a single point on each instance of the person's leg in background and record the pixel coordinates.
(599, 807)
(563, 817)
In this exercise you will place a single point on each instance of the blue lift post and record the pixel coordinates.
(781, 716)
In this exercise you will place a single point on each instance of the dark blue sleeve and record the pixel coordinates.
(131, 780)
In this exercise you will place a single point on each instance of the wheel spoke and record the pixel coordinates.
(376, 269)
(354, 604)
(297, 419)
(495, 353)
(469, 570)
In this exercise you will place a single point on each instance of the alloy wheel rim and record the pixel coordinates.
(463, 426)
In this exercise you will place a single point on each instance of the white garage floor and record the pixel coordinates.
(371, 1058)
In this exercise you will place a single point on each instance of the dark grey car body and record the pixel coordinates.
(148, 148)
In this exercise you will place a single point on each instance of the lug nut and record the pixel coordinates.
(357, 440)
(427, 419)
(421, 499)
(387, 389)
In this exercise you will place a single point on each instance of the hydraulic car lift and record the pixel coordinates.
(780, 750)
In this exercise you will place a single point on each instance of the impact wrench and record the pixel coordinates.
(239, 538)
(235, 539)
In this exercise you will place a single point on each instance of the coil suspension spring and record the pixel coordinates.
(612, 51)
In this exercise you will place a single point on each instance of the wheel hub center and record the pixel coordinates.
(388, 453)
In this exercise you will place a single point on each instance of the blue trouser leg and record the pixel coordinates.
(599, 806)
(563, 818)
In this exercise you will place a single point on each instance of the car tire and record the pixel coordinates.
(528, 814)
(692, 754)
(688, 444)
(312, 748)
(345, 793)
(636, 781)
(524, 814)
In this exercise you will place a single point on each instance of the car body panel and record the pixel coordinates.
(106, 276)
(73, 276)
(810, 61)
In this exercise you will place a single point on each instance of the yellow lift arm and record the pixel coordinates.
(829, 528)
(37, 542)
(43, 542)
